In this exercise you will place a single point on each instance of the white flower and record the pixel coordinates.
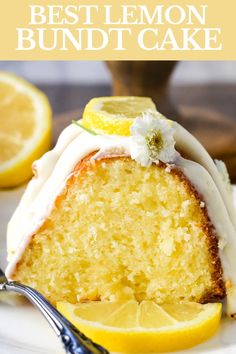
(152, 140)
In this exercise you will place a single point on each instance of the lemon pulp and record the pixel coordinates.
(144, 327)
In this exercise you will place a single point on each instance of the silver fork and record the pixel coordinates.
(73, 340)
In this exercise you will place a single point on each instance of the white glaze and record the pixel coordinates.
(55, 167)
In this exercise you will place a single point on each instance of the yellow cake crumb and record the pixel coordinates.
(121, 231)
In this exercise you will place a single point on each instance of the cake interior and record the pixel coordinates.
(122, 231)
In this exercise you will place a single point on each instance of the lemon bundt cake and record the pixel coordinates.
(147, 216)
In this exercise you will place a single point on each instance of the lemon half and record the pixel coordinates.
(25, 128)
(144, 327)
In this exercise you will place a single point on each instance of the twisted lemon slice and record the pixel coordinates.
(144, 327)
(115, 115)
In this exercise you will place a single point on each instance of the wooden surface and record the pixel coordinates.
(209, 112)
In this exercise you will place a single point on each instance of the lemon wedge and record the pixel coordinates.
(25, 128)
(144, 327)
(115, 115)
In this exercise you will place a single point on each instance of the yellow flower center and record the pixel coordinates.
(155, 143)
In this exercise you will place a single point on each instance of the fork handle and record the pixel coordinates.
(73, 340)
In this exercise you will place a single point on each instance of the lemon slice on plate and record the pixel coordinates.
(25, 128)
(144, 327)
(115, 115)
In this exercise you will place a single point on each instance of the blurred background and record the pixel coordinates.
(90, 75)
(201, 95)
(96, 72)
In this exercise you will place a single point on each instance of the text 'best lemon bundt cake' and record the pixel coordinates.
(146, 215)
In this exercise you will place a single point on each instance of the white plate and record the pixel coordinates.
(24, 331)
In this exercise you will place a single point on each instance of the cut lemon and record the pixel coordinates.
(25, 128)
(144, 327)
(115, 115)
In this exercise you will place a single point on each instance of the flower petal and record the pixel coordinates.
(152, 139)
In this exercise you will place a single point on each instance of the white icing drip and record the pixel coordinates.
(186, 142)
(217, 212)
(43, 169)
(74, 144)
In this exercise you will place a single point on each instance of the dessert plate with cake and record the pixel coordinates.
(129, 228)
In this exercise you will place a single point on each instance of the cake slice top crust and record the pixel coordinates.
(54, 168)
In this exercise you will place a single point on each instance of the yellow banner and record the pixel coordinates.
(118, 30)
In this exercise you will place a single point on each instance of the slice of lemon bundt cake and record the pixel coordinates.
(109, 217)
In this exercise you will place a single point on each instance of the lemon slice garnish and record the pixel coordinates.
(115, 115)
(25, 128)
(145, 327)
